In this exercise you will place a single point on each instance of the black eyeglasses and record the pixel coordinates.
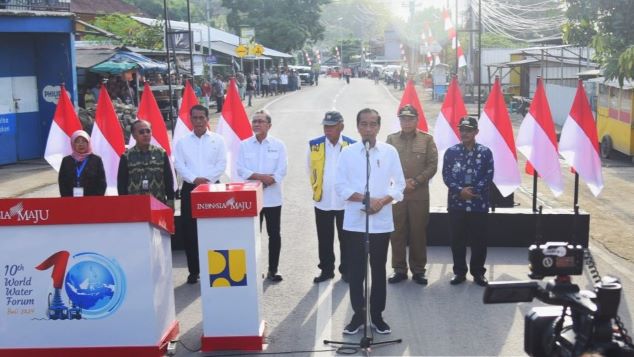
(144, 131)
(259, 122)
(467, 130)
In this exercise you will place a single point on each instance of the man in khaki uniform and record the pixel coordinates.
(419, 159)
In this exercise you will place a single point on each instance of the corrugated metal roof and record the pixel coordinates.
(103, 7)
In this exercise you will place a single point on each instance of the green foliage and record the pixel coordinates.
(178, 10)
(493, 40)
(132, 33)
(606, 26)
(285, 25)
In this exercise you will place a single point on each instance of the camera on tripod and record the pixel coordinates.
(579, 320)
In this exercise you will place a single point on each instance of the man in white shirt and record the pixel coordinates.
(200, 157)
(386, 184)
(323, 154)
(263, 158)
(284, 82)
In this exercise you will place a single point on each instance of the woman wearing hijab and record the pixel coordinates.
(81, 173)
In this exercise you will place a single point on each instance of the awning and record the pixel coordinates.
(113, 67)
(146, 64)
(227, 49)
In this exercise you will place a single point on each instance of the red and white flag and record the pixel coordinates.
(65, 123)
(496, 133)
(233, 126)
(579, 143)
(183, 123)
(107, 139)
(150, 112)
(446, 132)
(455, 43)
(411, 97)
(537, 141)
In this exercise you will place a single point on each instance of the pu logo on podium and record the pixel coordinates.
(227, 268)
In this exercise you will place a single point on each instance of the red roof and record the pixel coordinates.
(103, 7)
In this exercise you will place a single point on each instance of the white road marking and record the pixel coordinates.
(334, 100)
(323, 330)
(277, 99)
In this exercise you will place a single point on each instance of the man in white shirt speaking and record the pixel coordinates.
(323, 154)
(386, 184)
(263, 158)
(200, 157)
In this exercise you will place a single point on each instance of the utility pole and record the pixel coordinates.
(413, 43)
(211, 65)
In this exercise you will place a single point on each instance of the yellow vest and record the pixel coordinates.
(318, 161)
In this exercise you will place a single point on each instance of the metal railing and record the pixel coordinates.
(35, 5)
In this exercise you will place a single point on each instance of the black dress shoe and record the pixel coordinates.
(192, 279)
(457, 279)
(419, 278)
(274, 277)
(480, 280)
(323, 277)
(396, 278)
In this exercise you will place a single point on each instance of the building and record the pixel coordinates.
(37, 57)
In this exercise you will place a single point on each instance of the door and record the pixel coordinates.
(25, 99)
(8, 144)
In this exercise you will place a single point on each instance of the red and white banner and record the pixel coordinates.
(150, 112)
(446, 132)
(537, 141)
(107, 139)
(411, 97)
(233, 126)
(496, 133)
(183, 123)
(579, 143)
(65, 123)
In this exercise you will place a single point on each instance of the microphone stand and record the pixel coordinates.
(366, 341)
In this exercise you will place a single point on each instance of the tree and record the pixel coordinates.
(285, 25)
(606, 26)
(132, 33)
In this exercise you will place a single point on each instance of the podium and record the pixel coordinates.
(228, 252)
(86, 276)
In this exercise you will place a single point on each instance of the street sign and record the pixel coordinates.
(212, 59)
(242, 50)
(259, 50)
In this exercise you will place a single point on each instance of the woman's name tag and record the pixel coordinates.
(78, 192)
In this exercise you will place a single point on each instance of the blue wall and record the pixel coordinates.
(39, 50)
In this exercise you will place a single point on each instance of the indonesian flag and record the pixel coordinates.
(150, 112)
(446, 132)
(233, 126)
(65, 123)
(411, 97)
(537, 141)
(107, 138)
(496, 133)
(579, 143)
(183, 123)
(455, 43)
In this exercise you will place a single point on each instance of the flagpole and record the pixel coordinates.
(576, 196)
(534, 190)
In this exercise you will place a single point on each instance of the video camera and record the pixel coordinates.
(552, 330)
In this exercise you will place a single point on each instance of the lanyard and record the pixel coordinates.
(79, 169)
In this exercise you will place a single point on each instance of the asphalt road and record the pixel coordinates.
(438, 319)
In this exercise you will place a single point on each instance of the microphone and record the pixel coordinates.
(366, 143)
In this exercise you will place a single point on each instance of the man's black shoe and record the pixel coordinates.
(419, 278)
(480, 280)
(274, 277)
(381, 326)
(457, 279)
(396, 278)
(192, 279)
(354, 326)
(323, 277)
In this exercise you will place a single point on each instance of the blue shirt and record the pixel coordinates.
(463, 168)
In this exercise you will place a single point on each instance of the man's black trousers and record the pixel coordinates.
(379, 243)
(468, 227)
(190, 229)
(272, 216)
(326, 222)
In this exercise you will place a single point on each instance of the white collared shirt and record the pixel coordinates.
(386, 178)
(269, 158)
(330, 200)
(204, 156)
